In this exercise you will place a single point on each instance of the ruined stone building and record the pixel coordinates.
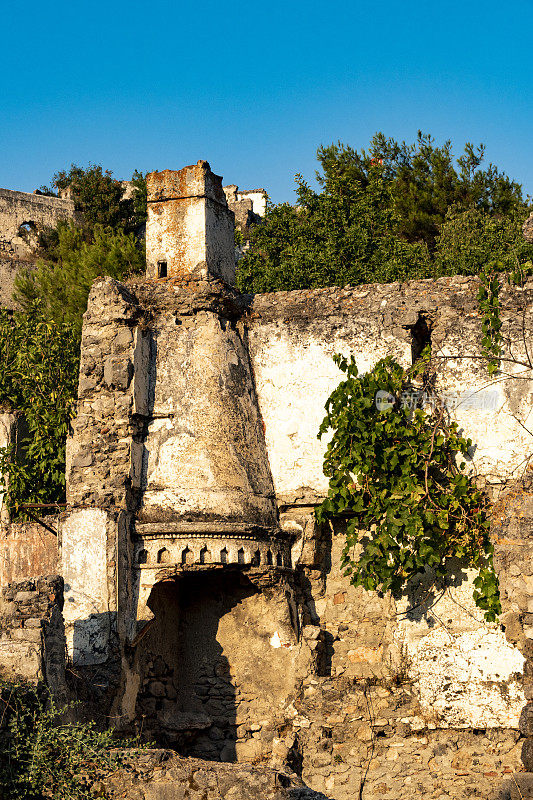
(22, 218)
(203, 606)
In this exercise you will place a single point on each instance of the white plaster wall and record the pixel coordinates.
(84, 568)
(294, 375)
(465, 670)
(7, 423)
(175, 233)
(495, 412)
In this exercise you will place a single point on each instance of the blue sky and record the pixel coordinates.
(255, 89)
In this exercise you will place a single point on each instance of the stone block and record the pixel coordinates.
(26, 597)
(118, 372)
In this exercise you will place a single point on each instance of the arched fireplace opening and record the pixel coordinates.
(187, 697)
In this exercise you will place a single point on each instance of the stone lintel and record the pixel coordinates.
(215, 528)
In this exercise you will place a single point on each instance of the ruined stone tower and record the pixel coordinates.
(170, 473)
(204, 606)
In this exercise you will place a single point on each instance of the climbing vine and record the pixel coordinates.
(489, 307)
(396, 469)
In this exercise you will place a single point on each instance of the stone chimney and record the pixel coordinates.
(190, 230)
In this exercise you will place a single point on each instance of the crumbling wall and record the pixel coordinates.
(368, 719)
(366, 679)
(32, 638)
(155, 774)
(435, 678)
(22, 218)
(221, 662)
(167, 466)
(293, 335)
(248, 205)
(28, 548)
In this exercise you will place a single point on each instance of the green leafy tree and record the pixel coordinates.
(425, 180)
(39, 376)
(344, 234)
(39, 345)
(473, 240)
(98, 197)
(139, 202)
(62, 284)
(396, 473)
(376, 217)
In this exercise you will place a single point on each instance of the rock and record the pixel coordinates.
(527, 228)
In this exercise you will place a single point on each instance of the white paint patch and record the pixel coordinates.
(7, 423)
(275, 641)
(465, 670)
(84, 568)
(294, 377)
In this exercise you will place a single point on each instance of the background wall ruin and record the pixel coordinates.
(23, 217)
(32, 637)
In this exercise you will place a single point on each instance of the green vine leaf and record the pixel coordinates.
(396, 474)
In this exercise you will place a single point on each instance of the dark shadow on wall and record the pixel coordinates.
(94, 675)
(422, 593)
(187, 698)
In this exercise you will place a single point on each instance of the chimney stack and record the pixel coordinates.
(190, 230)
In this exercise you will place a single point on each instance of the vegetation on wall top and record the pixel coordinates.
(396, 212)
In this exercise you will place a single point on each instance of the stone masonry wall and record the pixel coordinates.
(35, 211)
(292, 338)
(32, 638)
(416, 704)
(156, 774)
(27, 549)
(23, 217)
(405, 702)
(361, 723)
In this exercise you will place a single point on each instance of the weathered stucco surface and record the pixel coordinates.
(190, 228)
(28, 548)
(204, 447)
(467, 673)
(292, 336)
(198, 413)
(84, 568)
